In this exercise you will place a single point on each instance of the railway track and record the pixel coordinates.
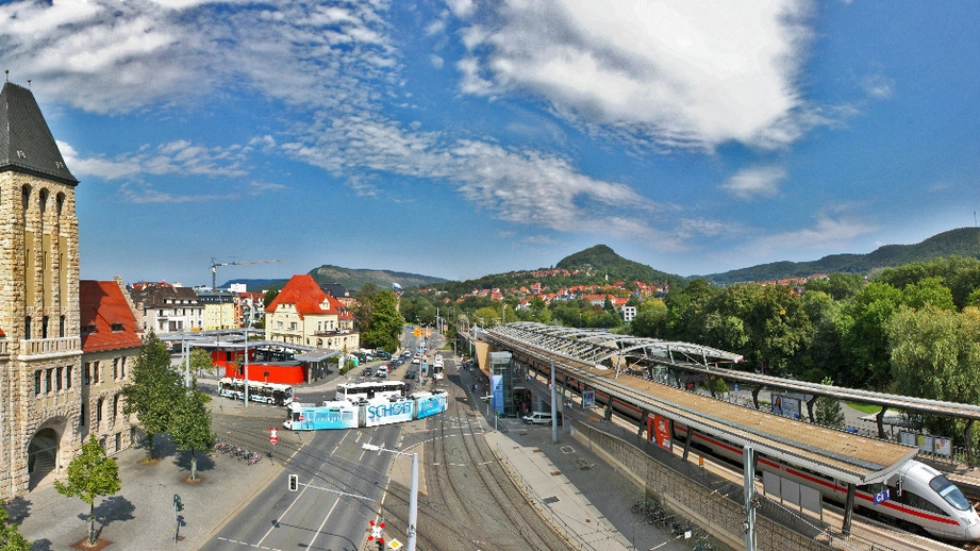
(469, 486)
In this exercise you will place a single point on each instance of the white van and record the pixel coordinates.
(538, 418)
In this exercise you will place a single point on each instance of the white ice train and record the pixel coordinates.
(345, 414)
(920, 496)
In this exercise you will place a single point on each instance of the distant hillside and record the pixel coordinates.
(353, 279)
(598, 265)
(960, 242)
(603, 261)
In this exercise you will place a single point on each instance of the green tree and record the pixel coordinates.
(864, 340)
(191, 425)
(935, 354)
(838, 286)
(487, 313)
(269, 296)
(10, 537)
(685, 319)
(363, 309)
(824, 357)
(650, 320)
(928, 291)
(827, 410)
(154, 388)
(386, 323)
(959, 274)
(90, 475)
(201, 361)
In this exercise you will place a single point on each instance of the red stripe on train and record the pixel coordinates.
(837, 488)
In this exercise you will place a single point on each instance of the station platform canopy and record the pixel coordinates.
(591, 357)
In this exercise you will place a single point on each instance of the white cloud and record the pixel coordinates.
(436, 27)
(878, 86)
(140, 192)
(828, 233)
(178, 157)
(436, 61)
(683, 73)
(461, 8)
(755, 182)
(330, 68)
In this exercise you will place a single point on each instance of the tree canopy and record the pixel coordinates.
(90, 475)
(154, 387)
(191, 426)
(10, 537)
(386, 323)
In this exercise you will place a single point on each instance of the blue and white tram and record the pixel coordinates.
(343, 414)
(369, 390)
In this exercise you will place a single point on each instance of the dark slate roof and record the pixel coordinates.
(26, 143)
(164, 295)
(335, 290)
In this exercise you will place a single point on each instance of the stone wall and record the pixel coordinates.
(42, 385)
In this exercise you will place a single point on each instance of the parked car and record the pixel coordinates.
(366, 372)
(538, 418)
(410, 374)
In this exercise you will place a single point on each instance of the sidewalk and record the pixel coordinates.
(141, 516)
(554, 495)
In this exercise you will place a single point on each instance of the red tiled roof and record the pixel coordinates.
(103, 305)
(304, 292)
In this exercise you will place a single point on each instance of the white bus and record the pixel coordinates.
(355, 392)
(265, 393)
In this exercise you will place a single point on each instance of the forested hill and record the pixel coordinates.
(353, 278)
(594, 266)
(959, 242)
(602, 261)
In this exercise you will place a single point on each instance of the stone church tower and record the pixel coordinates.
(40, 346)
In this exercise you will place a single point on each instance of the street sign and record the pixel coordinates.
(273, 435)
(395, 544)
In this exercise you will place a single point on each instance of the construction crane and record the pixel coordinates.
(215, 264)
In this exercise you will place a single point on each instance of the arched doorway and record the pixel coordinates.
(42, 455)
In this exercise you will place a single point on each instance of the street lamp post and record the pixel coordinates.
(413, 499)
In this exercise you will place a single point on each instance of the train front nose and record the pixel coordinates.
(972, 528)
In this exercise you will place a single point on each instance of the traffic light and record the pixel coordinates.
(293, 482)
(178, 504)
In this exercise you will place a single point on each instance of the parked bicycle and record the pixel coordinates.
(643, 506)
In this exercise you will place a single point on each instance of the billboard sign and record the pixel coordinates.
(588, 399)
(497, 393)
(658, 430)
(785, 405)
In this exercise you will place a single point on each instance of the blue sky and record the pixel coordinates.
(459, 138)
